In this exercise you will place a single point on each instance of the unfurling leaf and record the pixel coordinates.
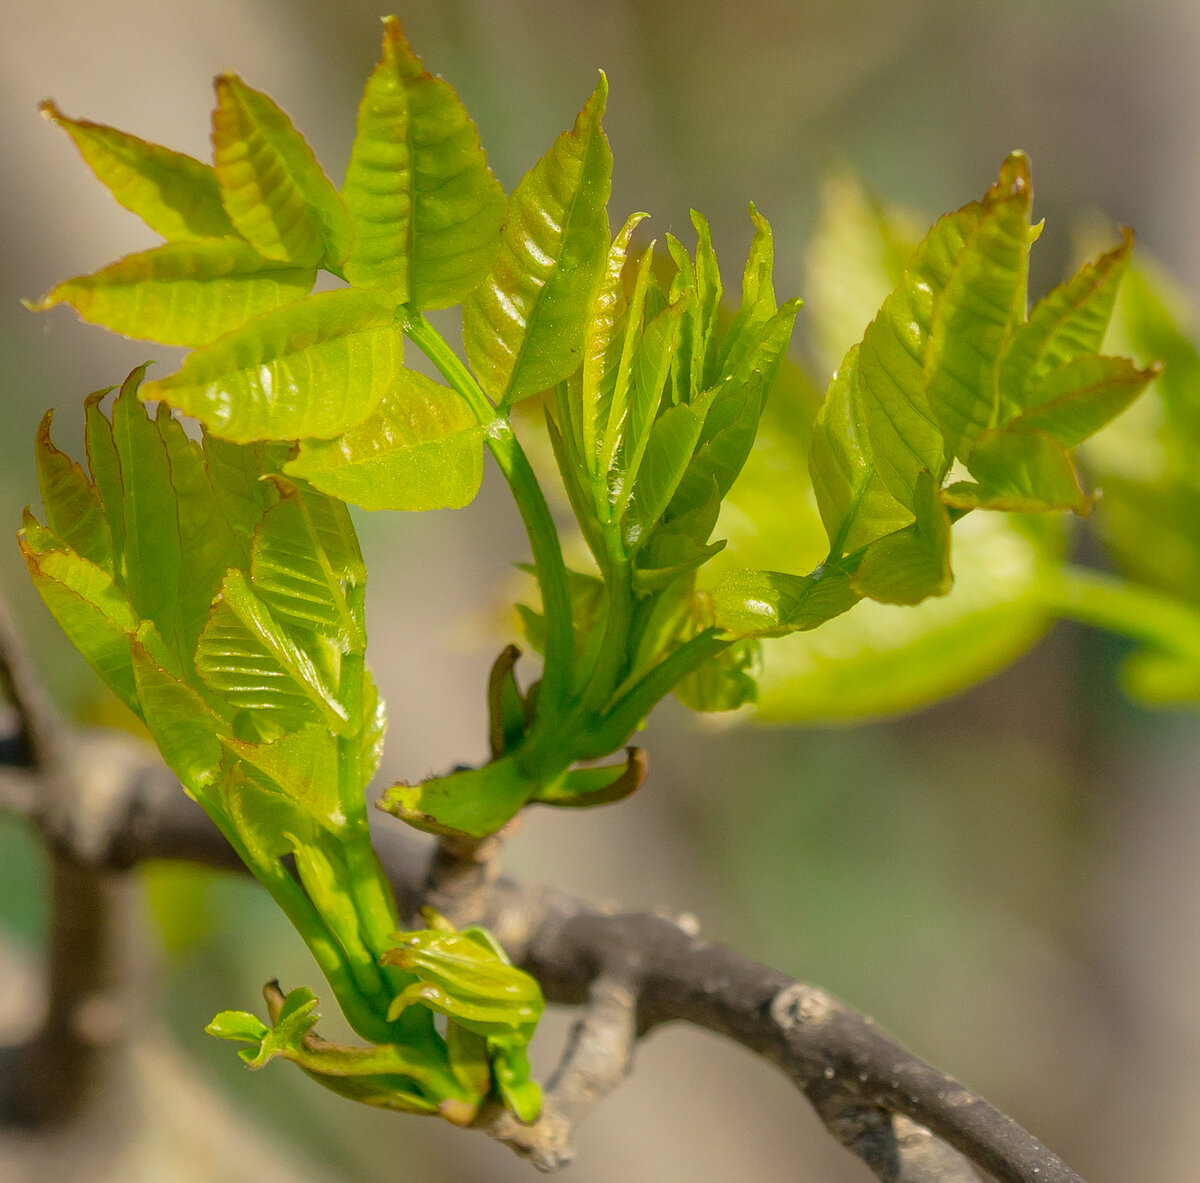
(524, 324)
(914, 563)
(855, 504)
(770, 603)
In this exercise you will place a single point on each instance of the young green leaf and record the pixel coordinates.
(1074, 401)
(982, 302)
(1020, 471)
(426, 209)
(153, 553)
(304, 766)
(88, 606)
(271, 184)
(607, 350)
(708, 304)
(917, 408)
(183, 293)
(671, 442)
(184, 725)
(73, 508)
(421, 449)
(524, 325)
(914, 563)
(301, 571)
(315, 368)
(771, 603)
(758, 297)
(602, 785)
(855, 504)
(249, 661)
(1067, 324)
(172, 193)
(208, 542)
(105, 467)
(474, 801)
(651, 368)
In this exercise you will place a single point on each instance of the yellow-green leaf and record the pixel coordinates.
(855, 504)
(421, 449)
(914, 563)
(271, 184)
(90, 609)
(1020, 471)
(183, 293)
(1076, 400)
(426, 209)
(1068, 323)
(171, 192)
(523, 326)
(772, 603)
(73, 508)
(981, 304)
(250, 662)
(315, 368)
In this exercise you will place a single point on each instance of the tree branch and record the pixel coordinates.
(89, 973)
(854, 1074)
(104, 802)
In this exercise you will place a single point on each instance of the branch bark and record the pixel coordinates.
(104, 803)
(857, 1077)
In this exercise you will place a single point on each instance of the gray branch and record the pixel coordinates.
(857, 1077)
(104, 804)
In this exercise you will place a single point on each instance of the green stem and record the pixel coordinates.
(613, 657)
(328, 954)
(531, 504)
(629, 711)
(1131, 610)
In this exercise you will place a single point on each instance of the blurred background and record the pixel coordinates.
(1007, 881)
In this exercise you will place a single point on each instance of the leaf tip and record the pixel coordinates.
(598, 100)
(49, 111)
(1016, 177)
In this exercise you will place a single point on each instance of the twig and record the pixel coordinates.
(50, 1079)
(823, 1046)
